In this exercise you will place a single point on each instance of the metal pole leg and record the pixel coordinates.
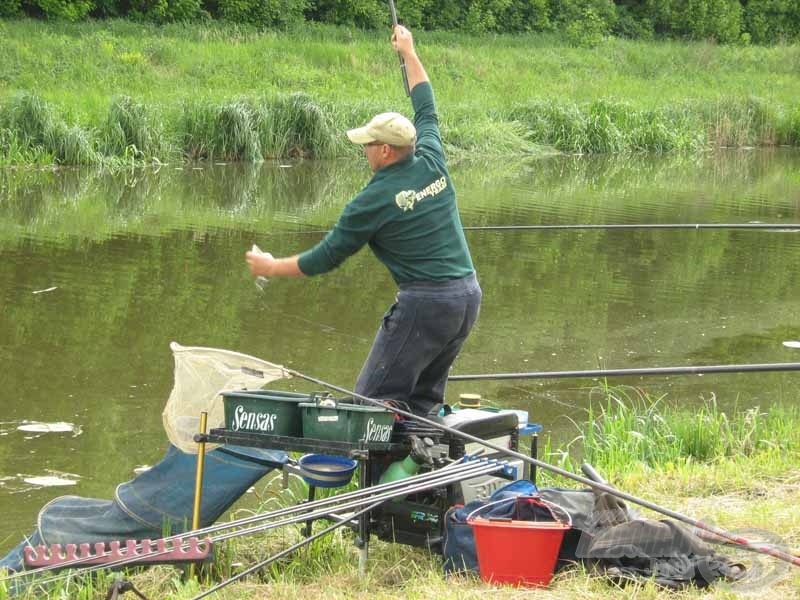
(364, 481)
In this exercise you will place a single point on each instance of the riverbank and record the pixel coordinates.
(736, 470)
(118, 92)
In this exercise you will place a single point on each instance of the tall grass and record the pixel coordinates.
(296, 126)
(629, 427)
(130, 130)
(35, 129)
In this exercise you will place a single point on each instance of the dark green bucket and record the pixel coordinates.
(326, 419)
(264, 411)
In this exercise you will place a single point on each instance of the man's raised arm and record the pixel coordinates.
(403, 43)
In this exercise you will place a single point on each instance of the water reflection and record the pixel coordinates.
(100, 271)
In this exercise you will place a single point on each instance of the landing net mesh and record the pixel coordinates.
(201, 375)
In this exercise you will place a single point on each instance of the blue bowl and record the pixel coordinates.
(325, 471)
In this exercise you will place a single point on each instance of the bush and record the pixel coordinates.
(566, 12)
(588, 30)
(719, 20)
(105, 9)
(770, 21)
(527, 15)
(447, 15)
(506, 16)
(9, 8)
(366, 14)
(262, 13)
(69, 10)
(415, 11)
(165, 11)
(633, 23)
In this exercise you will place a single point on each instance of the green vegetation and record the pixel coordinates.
(629, 428)
(584, 22)
(738, 470)
(117, 92)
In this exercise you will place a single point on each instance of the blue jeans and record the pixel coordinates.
(418, 340)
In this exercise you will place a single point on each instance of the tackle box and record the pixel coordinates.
(264, 411)
(331, 419)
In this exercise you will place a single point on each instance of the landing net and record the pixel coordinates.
(201, 375)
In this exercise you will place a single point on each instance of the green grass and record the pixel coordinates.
(628, 429)
(123, 91)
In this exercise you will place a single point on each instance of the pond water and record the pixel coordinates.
(100, 272)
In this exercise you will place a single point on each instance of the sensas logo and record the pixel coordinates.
(377, 432)
(248, 420)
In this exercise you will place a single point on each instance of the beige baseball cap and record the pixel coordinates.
(386, 128)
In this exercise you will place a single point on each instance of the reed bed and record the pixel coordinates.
(296, 126)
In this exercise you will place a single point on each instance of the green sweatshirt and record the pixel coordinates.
(407, 213)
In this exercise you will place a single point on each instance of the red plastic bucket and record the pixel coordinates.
(521, 553)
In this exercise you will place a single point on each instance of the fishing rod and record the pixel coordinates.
(604, 226)
(402, 60)
(632, 372)
(455, 472)
(762, 549)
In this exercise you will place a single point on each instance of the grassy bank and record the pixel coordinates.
(737, 470)
(119, 92)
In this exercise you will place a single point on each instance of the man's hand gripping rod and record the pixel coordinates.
(402, 60)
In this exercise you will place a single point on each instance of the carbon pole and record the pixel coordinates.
(402, 60)
(762, 549)
(603, 226)
(786, 227)
(633, 372)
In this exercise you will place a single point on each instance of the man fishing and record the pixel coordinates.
(408, 216)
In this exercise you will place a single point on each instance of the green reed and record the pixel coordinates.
(296, 126)
(34, 129)
(628, 427)
(130, 130)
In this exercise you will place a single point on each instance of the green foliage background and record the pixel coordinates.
(582, 21)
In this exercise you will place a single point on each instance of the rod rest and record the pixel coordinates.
(144, 551)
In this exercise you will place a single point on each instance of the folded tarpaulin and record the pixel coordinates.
(158, 501)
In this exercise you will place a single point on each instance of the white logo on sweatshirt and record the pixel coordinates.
(408, 198)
